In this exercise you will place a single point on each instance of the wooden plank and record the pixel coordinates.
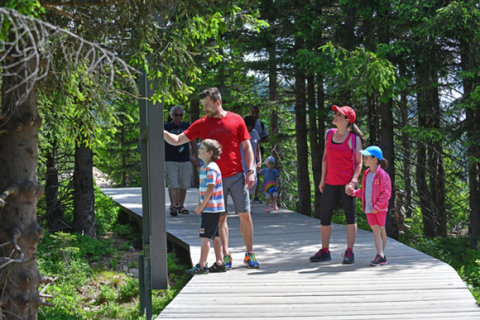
(288, 286)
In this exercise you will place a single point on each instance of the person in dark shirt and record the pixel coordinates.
(178, 168)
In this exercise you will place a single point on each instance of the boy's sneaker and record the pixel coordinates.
(227, 261)
(198, 269)
(321, 255)
(348, 257)
(217, 268)
(378, 261)
(250, 260)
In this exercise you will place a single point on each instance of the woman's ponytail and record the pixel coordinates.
(354, 128)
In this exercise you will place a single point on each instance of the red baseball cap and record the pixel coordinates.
(346, 111)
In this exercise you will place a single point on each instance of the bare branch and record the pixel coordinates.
(5, 261)
(11, 191)
(28, 49)
(48, 281)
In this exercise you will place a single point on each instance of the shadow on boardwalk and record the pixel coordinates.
(287, 285)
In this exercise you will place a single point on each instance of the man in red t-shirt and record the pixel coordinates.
(229, 130)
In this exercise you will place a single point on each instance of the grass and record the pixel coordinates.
(95, 278)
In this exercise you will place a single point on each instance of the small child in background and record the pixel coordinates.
(269, 187)
(375, 194)
(210, 205)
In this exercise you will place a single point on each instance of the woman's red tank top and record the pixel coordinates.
(341, 160)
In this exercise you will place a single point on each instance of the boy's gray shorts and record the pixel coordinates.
(236, 187)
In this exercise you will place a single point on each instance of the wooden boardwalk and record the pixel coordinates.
(288, 286)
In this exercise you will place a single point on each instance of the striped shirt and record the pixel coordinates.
(210, 174)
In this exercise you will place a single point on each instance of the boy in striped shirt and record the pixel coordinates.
(210, 205)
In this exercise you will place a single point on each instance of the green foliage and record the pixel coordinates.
(128, 290)
(106, 212)
(31, 8)
(86, 288)
(117, 154)
(362, 69)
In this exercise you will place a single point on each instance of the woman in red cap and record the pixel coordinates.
(341, 166)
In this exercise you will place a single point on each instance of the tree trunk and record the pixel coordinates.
(54, 208)
(83, 195)
(123, 156)
(273, 101)
(315, 151)
(19, 231)
(304, 201)
(469, 64)
(407, 159)
(431, 194)
(387, 144)
(372, 120)
(322, 114)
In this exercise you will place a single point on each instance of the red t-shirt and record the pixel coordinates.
(229, 131)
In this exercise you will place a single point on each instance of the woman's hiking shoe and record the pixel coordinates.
(321, 255)
(378, 261)
(227, 261)
(250, 260)
(217, 268)
(348, 257)
(198, 269)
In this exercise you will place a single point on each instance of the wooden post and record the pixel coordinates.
(155, 273)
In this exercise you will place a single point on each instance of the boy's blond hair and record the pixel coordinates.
(214, 146)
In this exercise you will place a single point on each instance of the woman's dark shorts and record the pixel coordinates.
(209, 225)
(330, 197)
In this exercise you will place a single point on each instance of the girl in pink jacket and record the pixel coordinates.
(375, 194)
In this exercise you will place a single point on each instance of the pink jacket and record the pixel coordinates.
(381, 190)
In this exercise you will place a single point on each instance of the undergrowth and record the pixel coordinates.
(96, 279)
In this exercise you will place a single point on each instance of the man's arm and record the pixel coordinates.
(175, 139)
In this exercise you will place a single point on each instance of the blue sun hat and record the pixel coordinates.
(373, 151)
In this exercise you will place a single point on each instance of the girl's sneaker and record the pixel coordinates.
(275, 207)
(348, 257)
(267, 209)
(378, 261)
(198, 269)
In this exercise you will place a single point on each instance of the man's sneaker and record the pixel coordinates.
(217, 268)
(348, 257)
(227, 261)
(321, 255)
(198, 269)
(378, 261)
(250, 260)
